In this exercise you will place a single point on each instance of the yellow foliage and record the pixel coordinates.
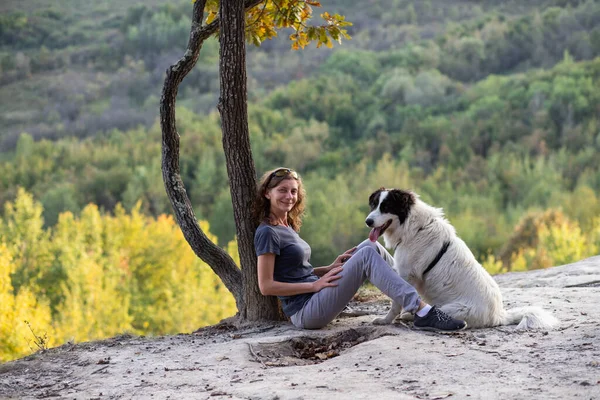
(94, 306)
(263, 20)
(526, 259)
(492, 265)
(594, 234)
(17, 311)
(23, 234)
(564, 243)
(108, 275)
(233, 251)
(543, 240)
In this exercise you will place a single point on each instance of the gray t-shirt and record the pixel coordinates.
(292, 255)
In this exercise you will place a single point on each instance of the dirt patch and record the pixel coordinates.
(305, 350)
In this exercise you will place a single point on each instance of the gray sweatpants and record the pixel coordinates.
(369, 261)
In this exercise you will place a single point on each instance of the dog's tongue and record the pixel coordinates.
(374, 234)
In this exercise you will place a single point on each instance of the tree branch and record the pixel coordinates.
(220, 262)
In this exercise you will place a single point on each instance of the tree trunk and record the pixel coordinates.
(238, 153)
(220, 262)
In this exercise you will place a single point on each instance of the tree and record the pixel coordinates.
(235, 20)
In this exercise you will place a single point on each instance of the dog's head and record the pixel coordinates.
(389, 208)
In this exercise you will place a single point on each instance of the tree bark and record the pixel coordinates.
(220, 262)
(238, 153)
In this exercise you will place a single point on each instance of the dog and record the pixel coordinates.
(429, 255)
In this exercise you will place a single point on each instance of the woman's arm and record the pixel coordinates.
(270, 287)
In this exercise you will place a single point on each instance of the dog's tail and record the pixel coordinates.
(529, 318)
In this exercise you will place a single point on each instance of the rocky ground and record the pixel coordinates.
(349, 359)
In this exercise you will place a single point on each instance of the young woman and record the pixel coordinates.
(313, 297)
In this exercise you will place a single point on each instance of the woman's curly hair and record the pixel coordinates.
(262, 205)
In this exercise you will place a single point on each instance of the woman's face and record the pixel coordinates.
(284, 196)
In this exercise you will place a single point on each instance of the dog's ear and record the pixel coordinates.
(400, 203)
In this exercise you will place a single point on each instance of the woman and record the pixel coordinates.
(313, 297)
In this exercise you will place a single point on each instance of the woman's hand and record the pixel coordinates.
(338, 262)
(328, 279)
(342, 258)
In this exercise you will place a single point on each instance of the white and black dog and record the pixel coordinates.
(429, 255)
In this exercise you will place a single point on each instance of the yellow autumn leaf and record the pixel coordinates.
(211, 17)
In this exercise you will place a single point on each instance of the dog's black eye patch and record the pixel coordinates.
(385, 207)
(398, 202)
(374, 198)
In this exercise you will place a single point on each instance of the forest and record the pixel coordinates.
(487, 109)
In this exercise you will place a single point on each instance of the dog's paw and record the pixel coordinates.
(380, 321)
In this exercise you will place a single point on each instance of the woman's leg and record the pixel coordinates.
(365, 263)
(387, 257)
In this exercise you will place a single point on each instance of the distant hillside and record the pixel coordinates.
(74, 69)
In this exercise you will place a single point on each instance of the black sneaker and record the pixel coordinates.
(437, 320)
